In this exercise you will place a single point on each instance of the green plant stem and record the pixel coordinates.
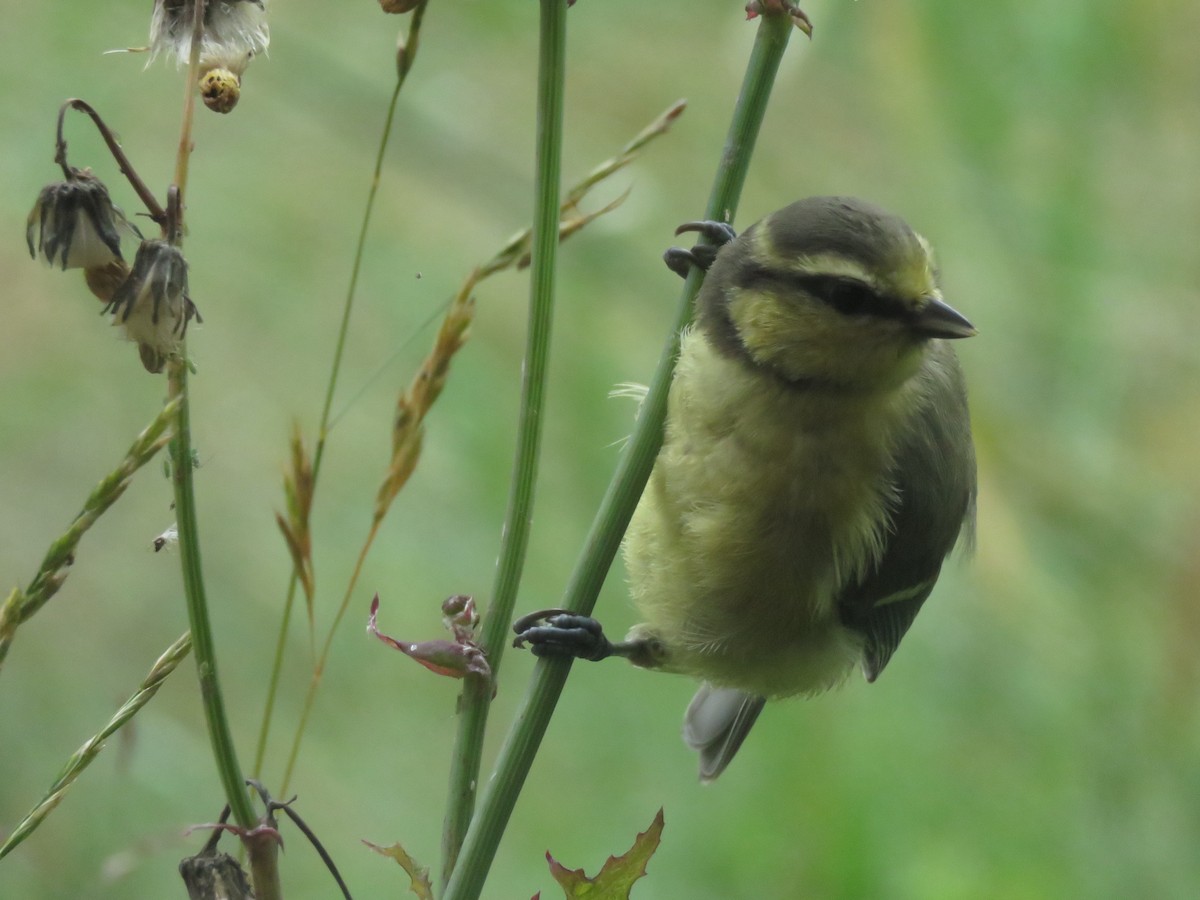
(193, 581)
(261, 845)
(264, 728)
(475, 700)
(319, 666)
(264, 852)
(404, 61)
(185, 497)
(533, 716)
(405, 58)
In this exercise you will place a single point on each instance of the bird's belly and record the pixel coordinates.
(745, 590)
(742, 541)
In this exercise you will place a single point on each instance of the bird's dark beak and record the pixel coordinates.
(938, 319)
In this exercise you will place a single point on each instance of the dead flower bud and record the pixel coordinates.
(104, 281)
(152, 305)
(235, 31)
(220, 90)
(460, 617)
(75, 224)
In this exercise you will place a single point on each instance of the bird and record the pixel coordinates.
(816, 468)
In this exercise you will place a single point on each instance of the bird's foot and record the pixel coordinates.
(680, 260)
(563, 634)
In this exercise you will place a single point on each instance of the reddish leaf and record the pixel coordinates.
(454, 659)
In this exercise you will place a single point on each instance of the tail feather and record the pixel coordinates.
(716, 723)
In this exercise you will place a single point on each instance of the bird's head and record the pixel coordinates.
(829, 291)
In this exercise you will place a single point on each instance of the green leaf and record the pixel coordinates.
(615, 880)
(421, 885)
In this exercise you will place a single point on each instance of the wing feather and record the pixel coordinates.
(933, 474)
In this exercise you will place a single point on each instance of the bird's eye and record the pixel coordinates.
(848, 296)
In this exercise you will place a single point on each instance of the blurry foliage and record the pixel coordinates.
(1037, 735)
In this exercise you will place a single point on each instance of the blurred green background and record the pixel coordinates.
(1036, 736)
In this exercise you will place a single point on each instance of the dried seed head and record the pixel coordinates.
(220, 90)
(76, 224)
(235, 31)
(103, 281)
(152, 305)
(153, 361)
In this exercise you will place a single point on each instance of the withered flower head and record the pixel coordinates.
(75, 224)
(152, 305)
(234, 32)
(105, 281)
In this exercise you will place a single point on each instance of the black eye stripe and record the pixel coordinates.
(852, 297)
(848, 296)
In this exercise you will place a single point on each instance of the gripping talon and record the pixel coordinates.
(719, 233)
(526, 622)
(680, 261)
(563, 634)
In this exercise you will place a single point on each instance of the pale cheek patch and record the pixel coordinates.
(770, 328)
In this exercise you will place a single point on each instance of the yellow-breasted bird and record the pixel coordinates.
(816, 469)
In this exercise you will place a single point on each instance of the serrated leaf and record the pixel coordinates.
(616, 878)
(421, 885)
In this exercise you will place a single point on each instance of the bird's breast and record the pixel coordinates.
(764, 500)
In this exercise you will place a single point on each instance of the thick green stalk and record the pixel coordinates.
(476, 696)
(617, 507)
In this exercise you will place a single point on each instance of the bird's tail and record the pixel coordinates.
(716, 723)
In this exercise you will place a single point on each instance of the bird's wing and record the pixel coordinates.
(933, 475)
(716, 723)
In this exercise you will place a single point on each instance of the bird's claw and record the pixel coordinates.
(719, 233)
(680, 261)
(562, 634)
